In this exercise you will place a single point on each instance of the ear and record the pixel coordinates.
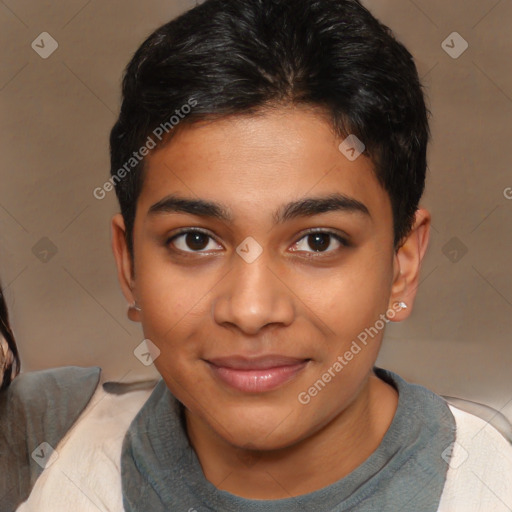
(407, 265)
(125, 273)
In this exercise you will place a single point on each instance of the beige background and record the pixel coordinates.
(56, 114)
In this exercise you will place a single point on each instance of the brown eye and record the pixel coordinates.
(320, 242)
(193, 241)
(196, 241)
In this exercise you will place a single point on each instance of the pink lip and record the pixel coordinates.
(256, 375)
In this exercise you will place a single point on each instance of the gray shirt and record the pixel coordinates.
(160, 471)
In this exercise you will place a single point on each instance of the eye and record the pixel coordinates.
(320, 242)
(193, 240)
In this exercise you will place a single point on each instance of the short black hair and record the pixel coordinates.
(12, 365)
(238, 57)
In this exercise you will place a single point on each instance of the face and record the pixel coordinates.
(261, 254)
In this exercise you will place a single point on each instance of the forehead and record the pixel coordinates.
(254, 163)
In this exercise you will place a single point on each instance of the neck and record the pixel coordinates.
(321, 459)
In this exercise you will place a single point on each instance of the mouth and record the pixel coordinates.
(256, 375)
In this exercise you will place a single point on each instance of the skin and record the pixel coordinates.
(294, 299)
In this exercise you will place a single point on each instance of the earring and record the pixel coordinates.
(402, 305)
(135, 306)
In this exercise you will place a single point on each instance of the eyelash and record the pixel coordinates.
(312, 254)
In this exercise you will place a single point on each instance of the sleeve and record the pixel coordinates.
(36, 411)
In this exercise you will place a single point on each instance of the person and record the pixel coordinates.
(269, 160)
(10, 364)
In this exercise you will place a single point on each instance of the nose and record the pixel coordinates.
(252, 296)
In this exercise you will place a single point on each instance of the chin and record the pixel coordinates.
(257, 432)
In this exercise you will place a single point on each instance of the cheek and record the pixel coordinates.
(174, 305)
(348, 298)
(350, 303)
(170, 292)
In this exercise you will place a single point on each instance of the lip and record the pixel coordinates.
(256, 375)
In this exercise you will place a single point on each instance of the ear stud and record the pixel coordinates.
(135, 306)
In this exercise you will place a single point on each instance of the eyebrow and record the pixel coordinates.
(307, 207)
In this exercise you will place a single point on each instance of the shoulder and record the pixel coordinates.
(95, 440)
(36, 411)
(51, 384)
(479, 477)
(45, 403)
